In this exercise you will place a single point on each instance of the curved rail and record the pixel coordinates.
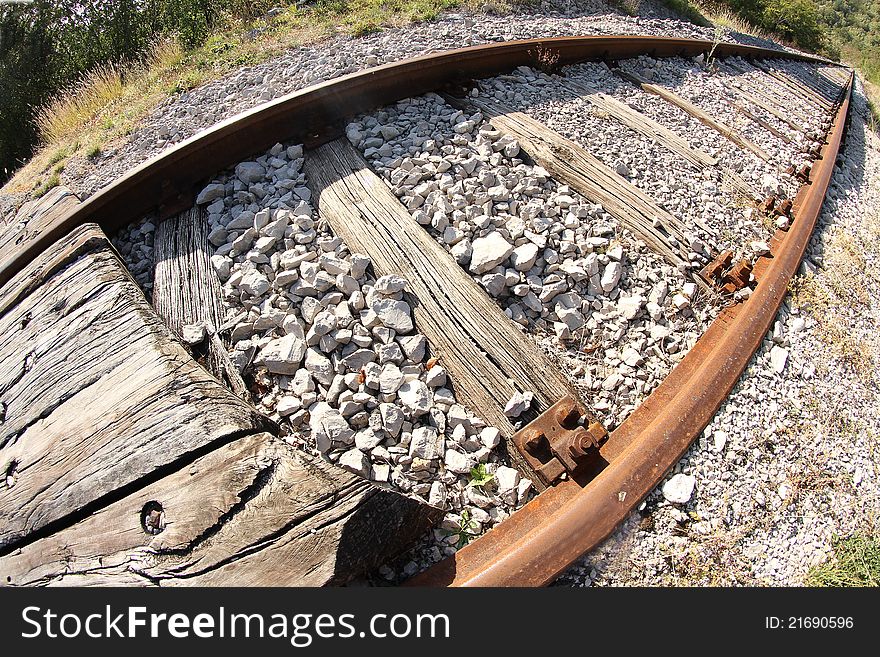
(538, 542)
(170, 179)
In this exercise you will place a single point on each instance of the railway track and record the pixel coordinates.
(111, 428)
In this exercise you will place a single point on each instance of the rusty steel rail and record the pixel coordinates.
(538, 542)
(169, 181)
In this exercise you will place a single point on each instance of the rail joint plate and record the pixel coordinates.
(563, 439)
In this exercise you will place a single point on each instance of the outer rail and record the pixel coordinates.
(317, 114)
(538, 542)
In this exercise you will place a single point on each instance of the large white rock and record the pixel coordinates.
(354, 460)
(319, 366)
(458, 462)
(679, 489)
(769, 184)
(413, 346)
(254, 283)
(611, 276)
(488, 252)
(778, 358)
(437, 494)
(283, 355)
(506, 478)
(392, 418)
(328, 426)
(356, 360)
(490, 437)
(426, 443)
(631, 357)
(523, 257)
(394, 315)
(518, 404)
(288, 405)
(508, 481)
(390, 284)
(415, 396)
(390, 378)
(630, 306)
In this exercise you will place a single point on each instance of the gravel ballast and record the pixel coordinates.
(616, 314)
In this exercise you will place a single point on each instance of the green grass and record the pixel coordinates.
(53, 181)
(856, 562)
(58, 156)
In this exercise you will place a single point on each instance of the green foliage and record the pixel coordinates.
(856, 562)
(479, 476)
(840, 29)
(53, 181)
(24, 44)
(854, 33)
(58, 156)
(49, 45)
(465, 531)
(93, 153)
(793, 20)
(796, 20)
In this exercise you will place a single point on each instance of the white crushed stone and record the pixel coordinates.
(584, 288)
(333, 355)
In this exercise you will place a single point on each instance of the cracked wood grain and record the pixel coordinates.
(255, 512)
(186, 289)
(96, 391)
(33, 218)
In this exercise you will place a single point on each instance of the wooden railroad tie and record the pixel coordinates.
(487, 356)
(127, 463)
(187, 292)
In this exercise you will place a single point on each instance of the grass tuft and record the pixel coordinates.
(80, 104)
(53, 181)
(93, 153)
(856, 562)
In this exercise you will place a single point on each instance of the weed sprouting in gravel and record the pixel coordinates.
(546, 59)
(479, 476)
(466, 530)
(856, 562)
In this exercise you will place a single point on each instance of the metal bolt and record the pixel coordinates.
(580, 444)
(533, 440)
